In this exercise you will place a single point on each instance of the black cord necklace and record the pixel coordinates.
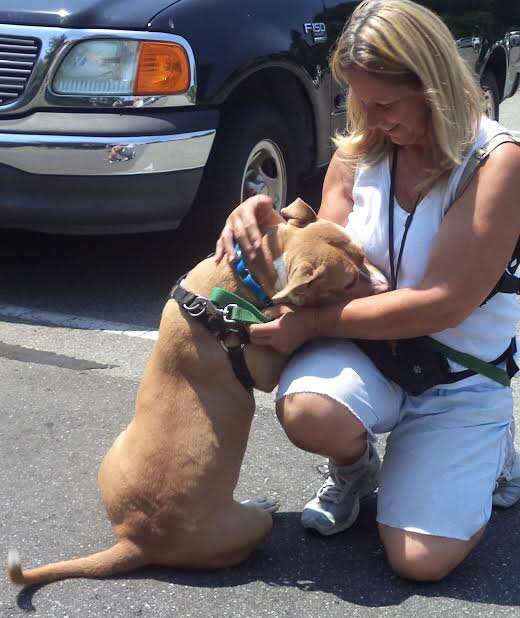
(394, 269)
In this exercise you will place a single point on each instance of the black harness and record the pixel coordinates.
(218, 318)
(216, 321)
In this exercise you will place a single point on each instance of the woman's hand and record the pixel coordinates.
(244, 225)
(290, 328)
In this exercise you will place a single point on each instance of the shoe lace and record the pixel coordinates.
(332, 490)
(323, 470)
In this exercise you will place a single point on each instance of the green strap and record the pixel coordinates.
(243, 311)
(240, 309)
(472, 362)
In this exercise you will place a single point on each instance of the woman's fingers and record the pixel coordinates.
(275, 311)
(225, 244)
(242, 226)
(250, 235)
(245, 223)
(269, 332)
(290, 328)
(219, 250)
(238, 230)
(262, 333)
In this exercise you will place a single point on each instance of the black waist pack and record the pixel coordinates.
(411, 363)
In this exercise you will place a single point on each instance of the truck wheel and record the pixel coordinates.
(489, 86)
(254, 154)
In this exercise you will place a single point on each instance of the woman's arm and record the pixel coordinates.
(336, 196)
(470, 253)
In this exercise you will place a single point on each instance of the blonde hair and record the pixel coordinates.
(411, 45)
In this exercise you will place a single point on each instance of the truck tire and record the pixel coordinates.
(253, 154)
(489, 86)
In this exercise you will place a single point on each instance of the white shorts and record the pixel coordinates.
(446, 447)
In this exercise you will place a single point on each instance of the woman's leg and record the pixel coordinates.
(318, 424)
(441, 464)
(424, 557)
(330, 397)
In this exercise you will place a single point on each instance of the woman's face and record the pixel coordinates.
(400, 111)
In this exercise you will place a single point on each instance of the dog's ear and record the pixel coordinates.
(299, 280)
(299, 213)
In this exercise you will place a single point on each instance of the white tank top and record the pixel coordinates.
(487, 332)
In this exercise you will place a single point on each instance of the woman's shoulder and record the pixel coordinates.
(507, 155)
(499, 164)
(504, 154)
(488, 129)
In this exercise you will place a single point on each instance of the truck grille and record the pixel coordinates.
(17, 60)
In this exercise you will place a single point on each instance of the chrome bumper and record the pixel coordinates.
(61, 155)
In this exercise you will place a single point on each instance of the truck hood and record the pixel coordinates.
(113, 14)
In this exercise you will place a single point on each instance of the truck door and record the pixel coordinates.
(336, 13)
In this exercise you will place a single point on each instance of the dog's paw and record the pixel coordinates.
(261, 502)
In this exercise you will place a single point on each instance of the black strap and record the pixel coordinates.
(394, 269)
(508, 281)
(238, 364)
(209, 315)
(181, 295)
(511, 366)
(507, 284)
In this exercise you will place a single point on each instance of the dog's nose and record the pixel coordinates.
(379, 283)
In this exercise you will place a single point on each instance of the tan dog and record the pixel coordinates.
(168, 480)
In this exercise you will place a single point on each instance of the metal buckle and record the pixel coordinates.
(197, 309)
(226, 311)
(227, 348)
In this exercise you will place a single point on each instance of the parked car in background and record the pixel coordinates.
(122, 115)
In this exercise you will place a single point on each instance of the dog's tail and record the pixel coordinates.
(122, 557)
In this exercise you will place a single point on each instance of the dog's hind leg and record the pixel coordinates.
(238, 531)
(229, 538)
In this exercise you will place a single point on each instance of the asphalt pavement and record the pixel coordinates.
(66, 393)
(57, 424)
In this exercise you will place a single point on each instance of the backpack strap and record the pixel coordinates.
(478, 157)
(507, 283)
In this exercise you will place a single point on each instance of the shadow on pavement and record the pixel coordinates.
(352, 566)
(122, 278)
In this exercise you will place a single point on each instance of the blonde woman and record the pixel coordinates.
(414, 119)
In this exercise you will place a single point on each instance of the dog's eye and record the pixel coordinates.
(350, 284)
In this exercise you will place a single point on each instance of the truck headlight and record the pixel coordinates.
(122, 67)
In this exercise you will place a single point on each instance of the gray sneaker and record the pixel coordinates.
(336, 504)
(507, 490)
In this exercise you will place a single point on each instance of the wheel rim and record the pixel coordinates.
(265, 173)
(489, 104)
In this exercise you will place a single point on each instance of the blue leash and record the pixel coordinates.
(247, 278)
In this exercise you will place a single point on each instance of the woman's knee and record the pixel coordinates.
(423, 557)
(312, 421)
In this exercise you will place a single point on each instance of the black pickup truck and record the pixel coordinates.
(120, 115)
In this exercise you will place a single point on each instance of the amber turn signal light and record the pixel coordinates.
(163, 68)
